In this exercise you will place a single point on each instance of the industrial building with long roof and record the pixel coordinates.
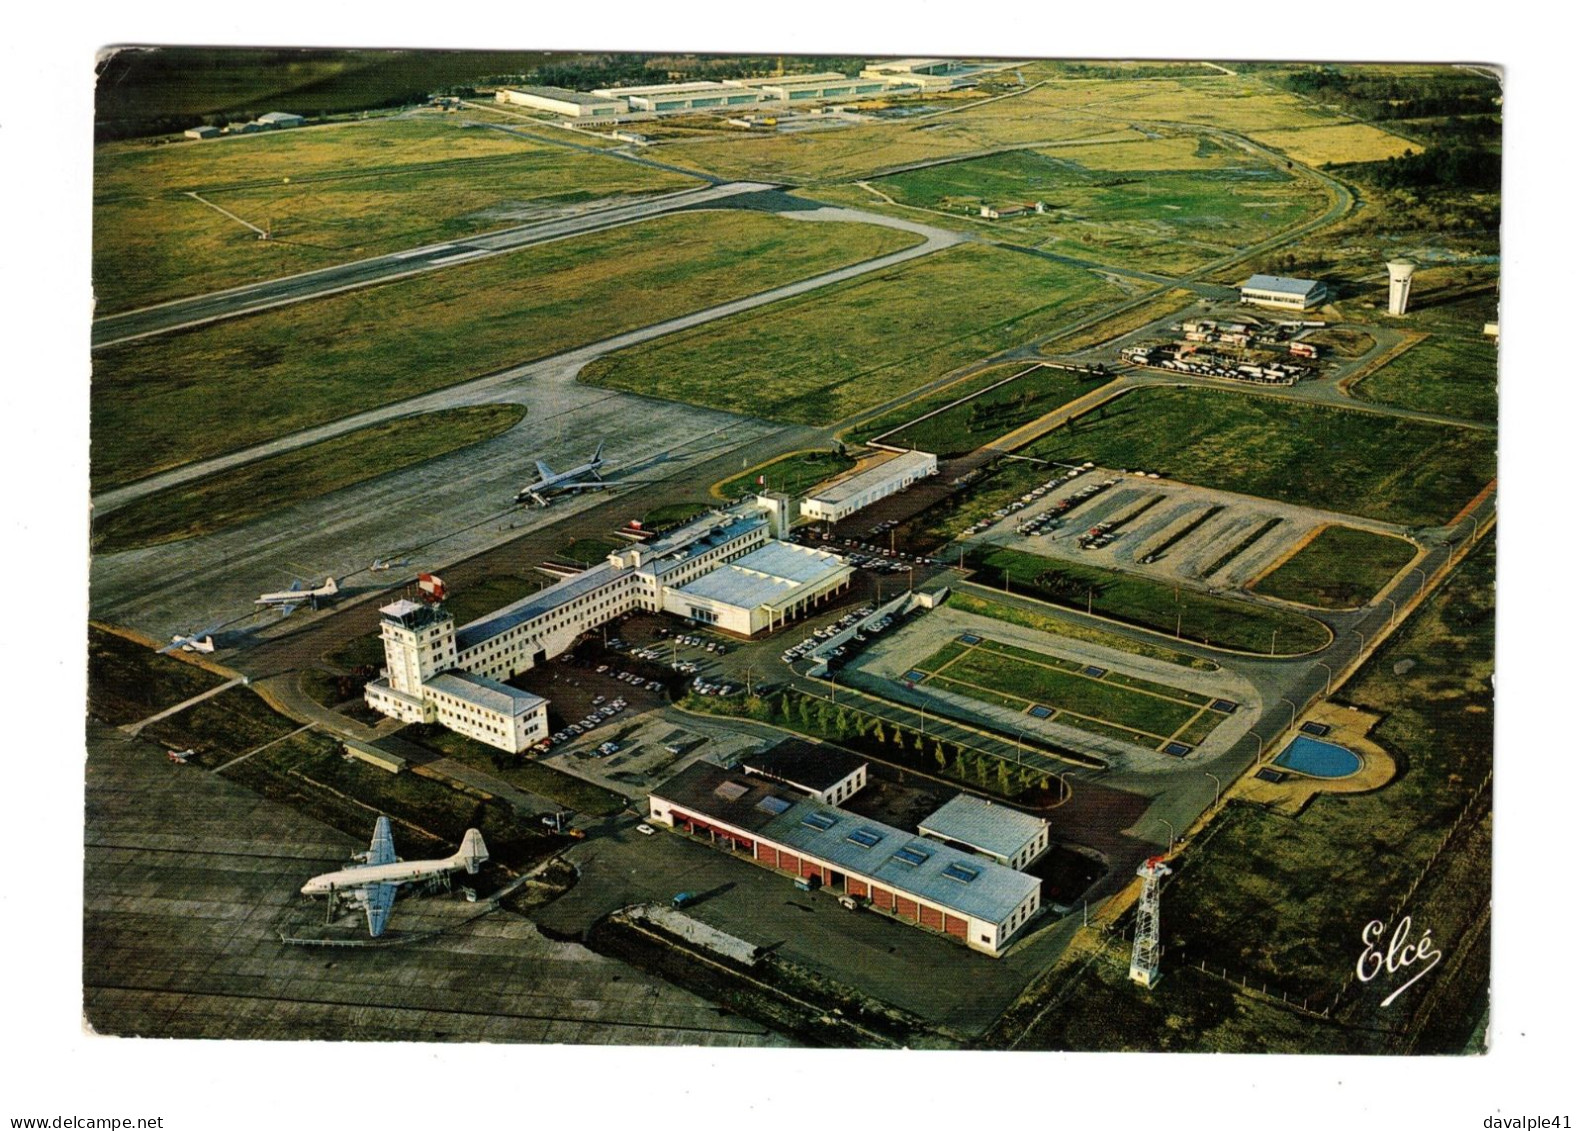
(919, 881)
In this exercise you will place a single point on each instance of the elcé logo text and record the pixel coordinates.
(1399, 954)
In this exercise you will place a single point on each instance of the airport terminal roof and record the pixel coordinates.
(1280, 284)
(843, 489)
(973, 820)
(901, 860)
(481, 691)
(791, 80)
(767, 575)
(700, 537)
(699, 87)
(503, 620)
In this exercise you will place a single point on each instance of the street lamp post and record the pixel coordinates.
(1215, 779)
(1273, 634)
(1362, 641)
(1018, 746)
(1392, 609)
(1422, 579)
(1291, 705)
(1328, 675)
(1259, 737)
(1171, 843)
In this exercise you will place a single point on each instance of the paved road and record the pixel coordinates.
(200, 310)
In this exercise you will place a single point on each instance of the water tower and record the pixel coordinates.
(1400, 283)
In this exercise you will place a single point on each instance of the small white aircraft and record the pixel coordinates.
(382, 564)
(200, 641)
(373, 877)
(288, 601)
(551, 483)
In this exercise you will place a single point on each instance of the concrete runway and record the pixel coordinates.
(198, 310)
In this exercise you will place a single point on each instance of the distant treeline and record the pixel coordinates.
(1389, 97)
(144, 92)
(1438, 167)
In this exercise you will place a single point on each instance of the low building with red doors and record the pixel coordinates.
(912, 878)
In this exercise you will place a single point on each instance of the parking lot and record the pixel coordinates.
(1139, 522)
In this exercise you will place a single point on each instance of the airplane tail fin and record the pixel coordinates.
(473, 851)
(330, 587)
(598, 452)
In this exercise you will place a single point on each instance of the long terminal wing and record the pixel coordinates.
(378, 899)
(381, 850)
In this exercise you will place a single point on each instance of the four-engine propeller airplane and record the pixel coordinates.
(551, 483)
(370, 882)
(288, 601)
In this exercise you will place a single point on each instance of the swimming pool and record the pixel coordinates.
(1318, 759)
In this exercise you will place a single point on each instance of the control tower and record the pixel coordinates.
(1400, 283)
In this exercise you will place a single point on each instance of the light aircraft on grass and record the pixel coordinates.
(370, 882)
(382, 564)
(288, 601)
(551, 483)
(200, 641)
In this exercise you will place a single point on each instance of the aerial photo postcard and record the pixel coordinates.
(792, 551)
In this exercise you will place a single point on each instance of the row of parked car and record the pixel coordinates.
(1033, 496)
(602, 712)
(798, 650)
(632, 678)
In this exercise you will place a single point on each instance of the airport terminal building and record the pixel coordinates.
(918, 881)
(722, 570)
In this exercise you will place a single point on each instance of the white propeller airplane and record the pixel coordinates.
(551, 483)
(288, 601)
(371, 881)
(200, 641)
(382, 564)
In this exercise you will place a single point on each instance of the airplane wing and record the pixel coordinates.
(173, 646)
(286, 610)
(543, 470)
(378, 899)
(381, 850)
(596, 486)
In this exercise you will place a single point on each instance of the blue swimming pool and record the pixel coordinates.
(1318, 759)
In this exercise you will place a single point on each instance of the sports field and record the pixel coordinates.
(1341, 568)
(1337, 459)
(1144, 601)
(1093, 699)
(326, 194)
(171, 400)
(824, 355)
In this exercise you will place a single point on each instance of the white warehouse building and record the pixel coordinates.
(436, 672)
(849, 495)
(1287, 294)
(557, 100)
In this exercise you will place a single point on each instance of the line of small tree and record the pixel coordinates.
(882, 739)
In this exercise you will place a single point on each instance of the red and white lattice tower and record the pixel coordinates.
(1145, 951)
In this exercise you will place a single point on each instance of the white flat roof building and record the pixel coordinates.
(675, 96)
(767, 588)
(1010, 836)
(849, 495)
(558, 100)
(1279, 291)
(278, 120)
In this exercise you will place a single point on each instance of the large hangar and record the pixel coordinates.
(918, 881)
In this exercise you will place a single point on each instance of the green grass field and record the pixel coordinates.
(1142, 601)
(988, 415)
(1294, 918)
(794, 474)
(1341, 568)
(167, 401)
(981, 605)
(242, 494)
(1019, 678)
(1171, 218)
(128, 681)
(326, 195)
(822, 356)
(1454, 371)
(1404, 471)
